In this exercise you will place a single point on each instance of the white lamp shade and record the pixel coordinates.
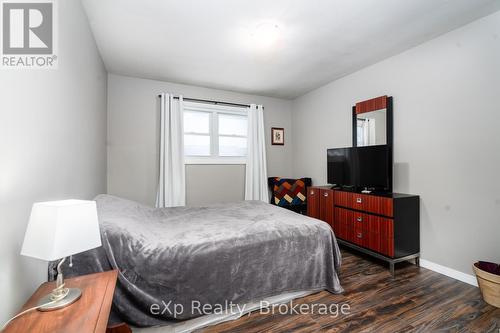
(58, 229)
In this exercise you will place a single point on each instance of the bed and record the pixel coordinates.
(215, 255)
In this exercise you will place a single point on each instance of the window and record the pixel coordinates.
(214, 134)
(196, 133)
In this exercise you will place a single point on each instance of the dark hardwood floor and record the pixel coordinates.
(416, 300)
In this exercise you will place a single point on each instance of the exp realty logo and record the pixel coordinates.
(28, 34)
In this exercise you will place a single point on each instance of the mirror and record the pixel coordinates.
(371, 128)
(372, 122)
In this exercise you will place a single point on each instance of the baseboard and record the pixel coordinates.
(453, 273)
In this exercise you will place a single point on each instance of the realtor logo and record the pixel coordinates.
(28, 34)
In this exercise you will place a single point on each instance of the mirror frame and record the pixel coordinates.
(378, 103)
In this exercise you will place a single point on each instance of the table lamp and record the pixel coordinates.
(56, 230)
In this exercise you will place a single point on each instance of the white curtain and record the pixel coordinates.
(256, 171)
(172, 180)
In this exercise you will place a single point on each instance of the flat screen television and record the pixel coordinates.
(358, 168)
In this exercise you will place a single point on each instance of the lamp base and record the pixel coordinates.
(73, 295)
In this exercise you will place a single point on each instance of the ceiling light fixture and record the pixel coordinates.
(266, 34)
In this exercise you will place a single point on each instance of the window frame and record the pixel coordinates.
(214, 111)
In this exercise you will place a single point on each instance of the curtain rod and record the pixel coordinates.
(211, 102)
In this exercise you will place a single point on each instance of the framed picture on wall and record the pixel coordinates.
(278, 136)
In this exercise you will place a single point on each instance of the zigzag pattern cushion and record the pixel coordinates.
(289, 191)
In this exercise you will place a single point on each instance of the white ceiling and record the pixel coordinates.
(208, 43)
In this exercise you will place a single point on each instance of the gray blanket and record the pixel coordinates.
(213, 255)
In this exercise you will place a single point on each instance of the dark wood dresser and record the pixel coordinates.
(386, 226)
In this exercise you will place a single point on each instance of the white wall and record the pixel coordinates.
(53, 145)
(133, 136)
(446, 134)
(206, 184)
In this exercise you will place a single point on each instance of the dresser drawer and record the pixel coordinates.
(348, 225)
(365, 202)
(366, 230)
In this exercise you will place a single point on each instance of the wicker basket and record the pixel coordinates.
(490, 286)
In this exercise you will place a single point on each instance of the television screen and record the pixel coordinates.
(374, 167)
(340, 168)
(361, 167)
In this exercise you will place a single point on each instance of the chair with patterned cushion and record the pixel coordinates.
(289, 193)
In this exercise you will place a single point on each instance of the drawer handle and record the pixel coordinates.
(359, 200)
(360, 219)
(325, 194)
(360, 235)
(312, 192)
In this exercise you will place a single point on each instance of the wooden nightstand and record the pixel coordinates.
(89, 314)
